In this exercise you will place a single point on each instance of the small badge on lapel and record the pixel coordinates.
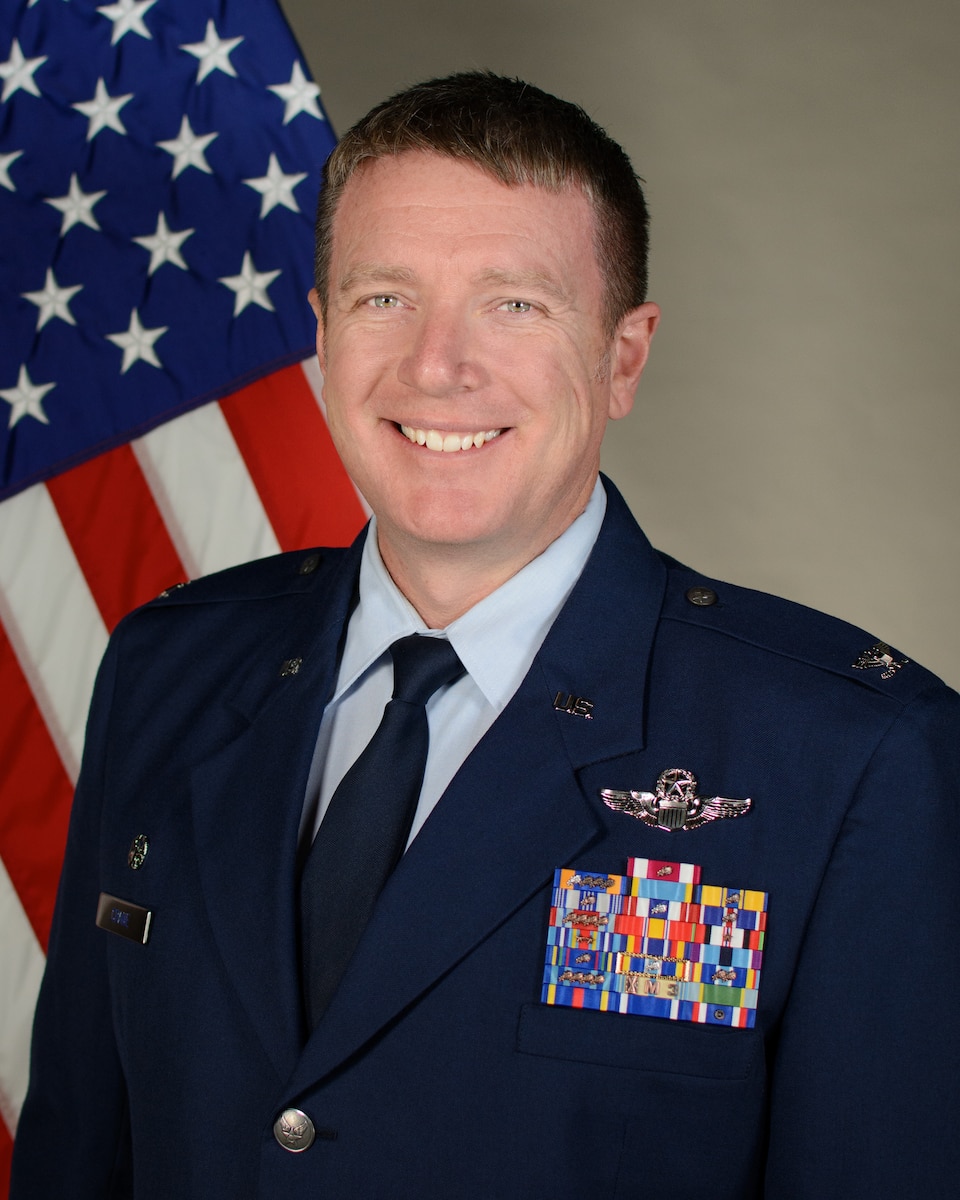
(655, 942)
(576, 706)
(123, 918)
(137, 854)
(675, 803)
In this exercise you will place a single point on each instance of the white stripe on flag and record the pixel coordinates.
(50, 616)
(204, 492)
(314, 376)
(311, 369)
(22, 960)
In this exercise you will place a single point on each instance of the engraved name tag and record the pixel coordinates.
(120, 916)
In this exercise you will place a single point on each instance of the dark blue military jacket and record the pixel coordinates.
(160, 1069)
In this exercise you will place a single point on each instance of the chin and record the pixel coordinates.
(450, 521)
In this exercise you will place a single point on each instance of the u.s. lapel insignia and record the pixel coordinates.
(675, 803)
(880, 655)
(576, 706)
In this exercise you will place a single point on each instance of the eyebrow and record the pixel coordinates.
(364, 274)
(521, 281)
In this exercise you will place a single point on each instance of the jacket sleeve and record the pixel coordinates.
(864, 1080)
(73, 1135)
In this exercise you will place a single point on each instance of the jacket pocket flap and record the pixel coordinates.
(637, 1043)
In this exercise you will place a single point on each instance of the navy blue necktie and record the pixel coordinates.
(366, 826)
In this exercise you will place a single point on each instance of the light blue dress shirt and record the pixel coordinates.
(497, 641)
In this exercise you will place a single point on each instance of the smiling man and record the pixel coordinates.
(498, 857)
(470, 372)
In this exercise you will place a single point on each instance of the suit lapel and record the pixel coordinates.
(247, 803)
(509, 817)
(499, 831)
(600, 645)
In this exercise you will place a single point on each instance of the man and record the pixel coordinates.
(742, 983)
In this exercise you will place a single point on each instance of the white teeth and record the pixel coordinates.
(448, 442)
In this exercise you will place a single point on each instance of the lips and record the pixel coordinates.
(448, 443)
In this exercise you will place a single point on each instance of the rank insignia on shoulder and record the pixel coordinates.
(880, 655)
(655, 942)
(675, 803)
(174, 587)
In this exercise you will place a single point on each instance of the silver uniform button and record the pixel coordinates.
(294, 1130)
(702, 597)
(309, 564)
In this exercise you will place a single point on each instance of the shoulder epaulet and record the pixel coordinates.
(791, 630)
(280, 573)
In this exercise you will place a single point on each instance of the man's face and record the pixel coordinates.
(465, 313)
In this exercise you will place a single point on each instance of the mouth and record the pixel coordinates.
(448, 443)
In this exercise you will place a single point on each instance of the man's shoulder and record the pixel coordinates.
(237, 608)
(278, 575)
(751, 638)
(787, 636)
(248, 619)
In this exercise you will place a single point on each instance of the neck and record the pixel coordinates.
(443, 582)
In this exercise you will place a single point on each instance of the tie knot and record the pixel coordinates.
(422, 665)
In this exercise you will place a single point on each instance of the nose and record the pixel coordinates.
(440, 359)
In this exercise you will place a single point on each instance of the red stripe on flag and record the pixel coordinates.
(121, 543)
(6, 1155)
(35, 796)
(280, 431)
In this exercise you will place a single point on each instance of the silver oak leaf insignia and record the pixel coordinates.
(675, 803)
(880, 655)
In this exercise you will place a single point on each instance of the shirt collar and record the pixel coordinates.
(498, 638)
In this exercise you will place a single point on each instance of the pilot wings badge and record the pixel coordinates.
(675, 803)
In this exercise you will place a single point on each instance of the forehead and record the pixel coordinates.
(417, 198)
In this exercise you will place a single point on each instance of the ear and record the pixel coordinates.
(318, 313)
(628, 356)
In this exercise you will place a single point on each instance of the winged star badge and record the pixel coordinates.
(675, 803)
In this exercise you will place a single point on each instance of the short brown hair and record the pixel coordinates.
(518, 134)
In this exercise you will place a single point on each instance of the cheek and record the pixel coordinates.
(361, 365)
(347, 384)
(559, 374)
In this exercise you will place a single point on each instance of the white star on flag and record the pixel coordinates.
(103, 111)
(164, 245)
(127, 17)
(250, 286)
(24, 399)
(276, 188)
(188, 149)
(18, 72)
(213, 53)
(77, 206)
(53, 300)
(299, 95)
(6, 162)
(137, 343)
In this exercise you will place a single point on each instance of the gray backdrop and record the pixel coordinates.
(798, 425)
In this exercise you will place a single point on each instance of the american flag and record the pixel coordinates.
(159, 403)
